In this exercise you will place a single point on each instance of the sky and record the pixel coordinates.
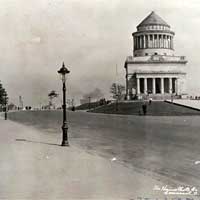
(92, 37)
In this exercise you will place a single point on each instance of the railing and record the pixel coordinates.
(158, 58)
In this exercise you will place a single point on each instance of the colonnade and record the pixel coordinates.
(156, 85)
(153, 41)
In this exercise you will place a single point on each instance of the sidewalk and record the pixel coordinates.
(34, 166)
(190, 103)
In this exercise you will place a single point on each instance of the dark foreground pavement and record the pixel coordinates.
(162, 148)
(34, 166)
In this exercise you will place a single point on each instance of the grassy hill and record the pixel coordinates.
(87, 106)
(156, 108)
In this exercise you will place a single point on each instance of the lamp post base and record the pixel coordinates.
(5, 115)
(65, 135)
(65, 144)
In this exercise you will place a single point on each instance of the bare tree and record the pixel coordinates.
(117, 91)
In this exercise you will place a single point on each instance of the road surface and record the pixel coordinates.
(166, 148)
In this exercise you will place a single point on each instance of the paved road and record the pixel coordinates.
(165, 148)
(33, 166)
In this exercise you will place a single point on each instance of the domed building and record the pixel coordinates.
(154, 70)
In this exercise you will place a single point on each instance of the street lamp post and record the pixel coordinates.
(5, 104)
(6, 107)
(63, 71)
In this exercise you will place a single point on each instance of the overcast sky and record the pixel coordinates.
(90, 36)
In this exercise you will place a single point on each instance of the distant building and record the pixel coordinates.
(154, 70)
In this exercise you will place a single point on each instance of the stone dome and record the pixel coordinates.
(153, 37)
(153, 19)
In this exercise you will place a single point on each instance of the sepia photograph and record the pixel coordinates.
(99, 100)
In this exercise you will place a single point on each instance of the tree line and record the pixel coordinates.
(117, 91)
(3, 97)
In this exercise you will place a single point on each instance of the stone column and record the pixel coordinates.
(168, 44)
(135, 39)
(162, 41)
(145, 85)
(134, 43)
(153, 85)
(176, 86)
(157, 41)
(126, 83)
(138, 42)
(141, 38)
(153, 41)
(127, 86)
(148, 38)
(170, 85)
(144, 38)
(142, 41)
(146, 41)
(138, 85)
(171, 42)
(162, 85)
(167, 41)
(154, 44)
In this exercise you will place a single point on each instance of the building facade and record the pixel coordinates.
(154, 70)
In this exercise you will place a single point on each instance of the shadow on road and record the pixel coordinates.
(24, 140)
